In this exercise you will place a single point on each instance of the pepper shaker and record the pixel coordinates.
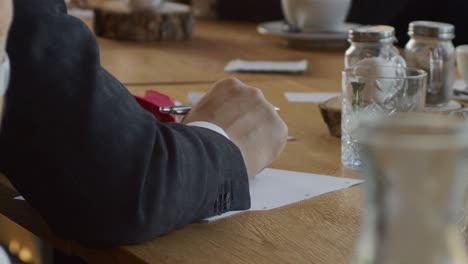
(371, 42)
(430, 48)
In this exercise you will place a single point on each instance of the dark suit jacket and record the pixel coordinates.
(399, 13)
(99, 168)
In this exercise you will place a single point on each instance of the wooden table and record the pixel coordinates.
(319, 230)
(202, 59)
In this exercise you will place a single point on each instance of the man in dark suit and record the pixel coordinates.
(399, 13)
(99, 168)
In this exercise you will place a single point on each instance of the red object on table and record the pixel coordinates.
(151, 102)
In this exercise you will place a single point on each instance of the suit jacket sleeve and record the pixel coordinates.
(96, 166)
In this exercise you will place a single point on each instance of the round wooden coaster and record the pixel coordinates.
(331, 114)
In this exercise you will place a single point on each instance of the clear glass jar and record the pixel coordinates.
(370, 42)
(431, 49)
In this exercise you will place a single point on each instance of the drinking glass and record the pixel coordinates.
(376, 90)
(415, 166)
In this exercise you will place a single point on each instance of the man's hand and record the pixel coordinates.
(248, 118)
(6, 14)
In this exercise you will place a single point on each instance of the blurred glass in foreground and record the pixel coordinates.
(416, 169)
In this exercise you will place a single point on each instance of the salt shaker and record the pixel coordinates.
(431, 49)
(371, 42)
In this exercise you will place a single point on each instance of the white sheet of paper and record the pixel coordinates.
(274, 188)
(80, 13)
(309, 97)
(266, 66)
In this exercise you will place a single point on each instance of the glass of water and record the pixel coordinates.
(376, 90)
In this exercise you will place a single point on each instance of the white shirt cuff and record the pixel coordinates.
(4, 74)
(209, 126)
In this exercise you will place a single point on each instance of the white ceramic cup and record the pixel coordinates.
(313, 15)
(462, 62)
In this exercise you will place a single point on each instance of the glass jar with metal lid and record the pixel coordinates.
(369, 42)
(431, 49)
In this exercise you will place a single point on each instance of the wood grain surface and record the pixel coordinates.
(203, 58)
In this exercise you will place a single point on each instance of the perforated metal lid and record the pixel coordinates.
(372, 34)
(431, 29)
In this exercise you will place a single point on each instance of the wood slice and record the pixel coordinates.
(87, 4)
(116, 20)
(331, 113)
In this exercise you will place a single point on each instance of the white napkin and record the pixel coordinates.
(81, 13)
(309, 97)
(266, 66)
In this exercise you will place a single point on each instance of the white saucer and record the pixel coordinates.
(313, 38)
(451, 106)
(281, 29)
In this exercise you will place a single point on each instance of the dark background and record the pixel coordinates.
(397, 13)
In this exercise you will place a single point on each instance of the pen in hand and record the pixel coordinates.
(184, 109)
(181, 109)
